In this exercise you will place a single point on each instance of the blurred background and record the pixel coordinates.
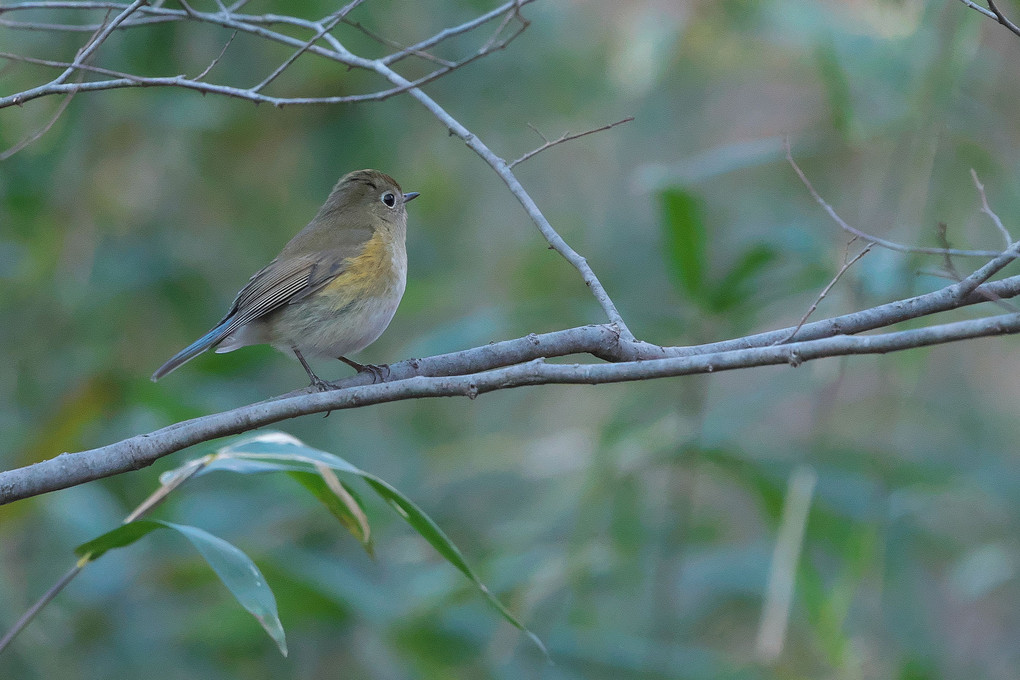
(631, 526)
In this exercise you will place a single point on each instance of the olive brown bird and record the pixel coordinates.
(334, 287)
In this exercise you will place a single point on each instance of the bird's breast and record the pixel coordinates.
(380, 270)
(352, 310)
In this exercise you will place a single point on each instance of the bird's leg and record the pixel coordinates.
(376, 371)
(317, 382)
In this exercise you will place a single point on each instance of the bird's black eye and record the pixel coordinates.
(389, 199)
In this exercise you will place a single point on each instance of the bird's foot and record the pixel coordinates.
(320, 384)
(379, 373)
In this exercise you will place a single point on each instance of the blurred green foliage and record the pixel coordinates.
(630, 526)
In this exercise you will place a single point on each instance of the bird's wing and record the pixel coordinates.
(284, 281)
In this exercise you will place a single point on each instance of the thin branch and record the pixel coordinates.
(213, 63)
(340, 54)
(539, 133)
(85, 5)
(990, 269)
(323, 29)
(513, 13)
(27, 617)
(978, 8)
(45, 128)
(988, 211)
(993, 13)
(404, 50)
(891, 245)
(456, 30)
(825, 291)
(81, 28)
(67, 64)
(882, 316)
(97, 40)
(126, 80)
(565, 138)
(942, 233)
(951, 273)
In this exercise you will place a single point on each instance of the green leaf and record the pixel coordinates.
(124, 535)
(252, 467)
(348, 510)
(277, 448)
(274, 447)
(240, 575)
(235, 569)
(685, 240)
(738, 286)
(431, 532)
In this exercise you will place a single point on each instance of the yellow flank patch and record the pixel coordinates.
(368, 275)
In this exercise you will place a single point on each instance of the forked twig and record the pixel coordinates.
(27, 617)
(32, 137)
(213, 63)
(885, 243)
(847, 263)
(565, 138)
(1002, 18)
(323, 29)
(988, 211)
(405, 50)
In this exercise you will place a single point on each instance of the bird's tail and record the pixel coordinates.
(193, 350)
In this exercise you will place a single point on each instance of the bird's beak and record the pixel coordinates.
(411, 196)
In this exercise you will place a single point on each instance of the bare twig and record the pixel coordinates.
(405, 50)
(70, 4)
(60, 109)
(978, 8)
(98, 39)
(124, 80)
(513, 5)
(323, 29)
(539, 133)
(514, 12)
(27, 617)
(67, 64)
(565, 138)
(847, 263)
(885, 243)
(942, 233)
(950, 272)
(44, 129)
(996, 14)
(213, 63)
(990, 269)
(988, 211)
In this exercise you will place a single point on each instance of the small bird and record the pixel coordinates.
(334, 287)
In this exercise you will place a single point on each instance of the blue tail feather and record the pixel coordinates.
(193, 350)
